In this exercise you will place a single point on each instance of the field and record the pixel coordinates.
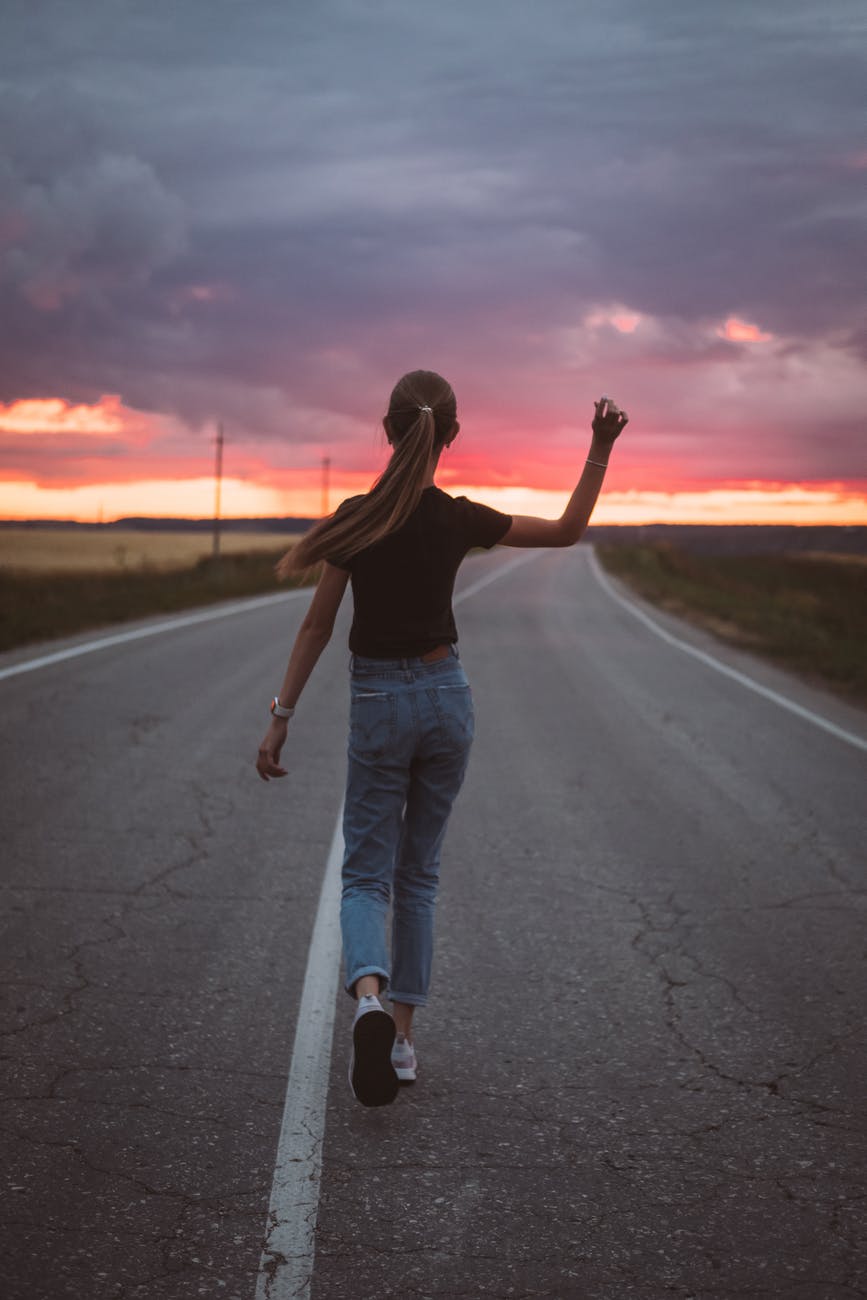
(102, 550)
(67, 581)
(807, 613)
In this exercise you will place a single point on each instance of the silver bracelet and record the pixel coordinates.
(603, 464)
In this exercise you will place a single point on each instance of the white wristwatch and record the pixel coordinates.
(279, 711)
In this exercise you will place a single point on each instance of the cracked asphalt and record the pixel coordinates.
(642, 1067)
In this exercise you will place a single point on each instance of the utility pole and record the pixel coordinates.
(326, 466)
(218, 482)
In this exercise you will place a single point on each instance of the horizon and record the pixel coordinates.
(206, 521)
(859, 520)
(247, 234)
(826, 504)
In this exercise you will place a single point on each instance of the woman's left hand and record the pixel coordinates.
(608, 422)
(268, 757)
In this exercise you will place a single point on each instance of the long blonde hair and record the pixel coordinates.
(421, 417)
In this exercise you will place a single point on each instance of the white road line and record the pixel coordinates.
(286, 1265)
(497, 573)
(723, 668)
(152, 629)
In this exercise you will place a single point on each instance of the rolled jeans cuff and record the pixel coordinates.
(367, 970)
(408, 999)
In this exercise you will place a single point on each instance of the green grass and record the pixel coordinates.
(39, 606)
(807, 614)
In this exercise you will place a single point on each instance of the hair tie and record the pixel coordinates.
(426, 408)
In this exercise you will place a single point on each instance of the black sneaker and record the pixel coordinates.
(372, 1077)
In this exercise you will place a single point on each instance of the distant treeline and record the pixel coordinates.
(707, 539)
(144, 524)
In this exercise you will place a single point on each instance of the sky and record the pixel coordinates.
(263, 212)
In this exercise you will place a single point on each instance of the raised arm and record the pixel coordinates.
(530, 530)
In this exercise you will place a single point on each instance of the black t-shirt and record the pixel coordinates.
(402, 585)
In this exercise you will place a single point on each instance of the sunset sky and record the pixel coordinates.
(263, 213)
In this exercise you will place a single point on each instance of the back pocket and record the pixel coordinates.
(372, 723)
(454, 706)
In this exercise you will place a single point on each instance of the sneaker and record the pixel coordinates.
(371, 1074)
(404, 1060)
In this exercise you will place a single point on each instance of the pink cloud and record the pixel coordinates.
(45, 415)
(741, 331)
(623, 320)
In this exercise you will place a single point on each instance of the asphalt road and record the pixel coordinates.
(643, 1065)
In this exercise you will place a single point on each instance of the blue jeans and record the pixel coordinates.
(410, 732)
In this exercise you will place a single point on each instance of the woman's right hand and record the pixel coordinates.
(608, 422)
(268, 757)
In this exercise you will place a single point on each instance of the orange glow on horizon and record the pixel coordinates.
(102, 461)
(746, 503)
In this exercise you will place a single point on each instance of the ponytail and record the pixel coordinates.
(421, 415)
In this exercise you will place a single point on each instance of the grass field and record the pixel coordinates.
(807, 613)
(101, 550)
(41, 605)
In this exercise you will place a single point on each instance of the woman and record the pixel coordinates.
(411, 718)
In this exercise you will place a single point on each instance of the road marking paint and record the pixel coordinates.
(286, 1265)
(783, 701)
(497, 573)
(152, 629)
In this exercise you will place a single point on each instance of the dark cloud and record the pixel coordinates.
(92, 229)
(266, 212)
